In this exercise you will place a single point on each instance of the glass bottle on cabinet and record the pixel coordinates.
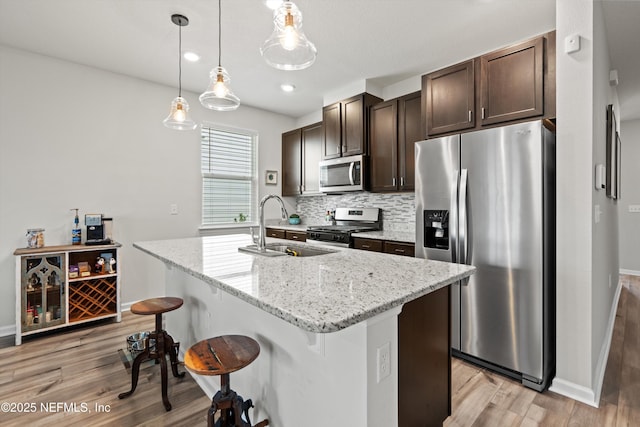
(43, 287)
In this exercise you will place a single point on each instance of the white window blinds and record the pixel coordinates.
(229, 184)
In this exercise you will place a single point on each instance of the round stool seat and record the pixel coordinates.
(221, 355)
(156, 305)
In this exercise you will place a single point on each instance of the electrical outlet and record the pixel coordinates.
(634, 208)
(173, 209)
(384, 361)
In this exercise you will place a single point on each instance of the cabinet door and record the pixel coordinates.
(409, 131)
(449, 99)
(367, 244)
(276, 232)
(383, 139)
(291, 163)
(353, 126)
(332, 131)
(398, 248)
(43, 289)
(300, 236)
(511, 85)
(311, 156)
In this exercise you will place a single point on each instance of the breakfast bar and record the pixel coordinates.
(350, 337)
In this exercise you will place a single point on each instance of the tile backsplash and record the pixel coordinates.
(398, 209)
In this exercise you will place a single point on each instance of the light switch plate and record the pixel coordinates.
(572, 43)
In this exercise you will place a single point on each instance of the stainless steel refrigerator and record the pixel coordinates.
(487, 198)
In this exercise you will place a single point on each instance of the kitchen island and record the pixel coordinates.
(343, 336)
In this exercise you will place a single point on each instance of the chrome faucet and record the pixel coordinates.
(262, 233)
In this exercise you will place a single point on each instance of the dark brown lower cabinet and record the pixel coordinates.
(367, 244)
(424, 361)
(397, 248)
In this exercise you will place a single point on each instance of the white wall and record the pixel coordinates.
(630, 195)
(586, 250)
(78, 137)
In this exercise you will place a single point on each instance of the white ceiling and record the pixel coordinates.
(378, 41)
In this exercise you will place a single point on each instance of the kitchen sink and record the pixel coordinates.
(279, 249)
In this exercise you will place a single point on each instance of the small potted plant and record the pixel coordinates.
(294, 219)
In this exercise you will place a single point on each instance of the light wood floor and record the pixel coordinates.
(83, 367)
(481, 398)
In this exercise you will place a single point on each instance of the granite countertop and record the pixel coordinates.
(322, 293)
(390, 235)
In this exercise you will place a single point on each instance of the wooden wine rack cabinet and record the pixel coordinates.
(49, 296)
(92, 298)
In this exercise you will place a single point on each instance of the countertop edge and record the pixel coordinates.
(324, 327)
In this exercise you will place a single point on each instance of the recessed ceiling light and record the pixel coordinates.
(191, 56)
(287, 87)
(273, 4)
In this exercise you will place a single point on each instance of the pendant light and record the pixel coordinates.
(288, 47)
(178, 118)
(218, 95)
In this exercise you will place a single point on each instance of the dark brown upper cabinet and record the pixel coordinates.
(291, 163)
(384, 146)
(449, 96)
(301, 153)
(346, 125)
(410, 131)
(395, 127)
(511, 82)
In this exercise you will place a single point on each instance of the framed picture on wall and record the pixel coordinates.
(618, 166)
(612, 155)
(271, 178)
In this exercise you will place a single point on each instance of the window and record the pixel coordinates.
(229, 184)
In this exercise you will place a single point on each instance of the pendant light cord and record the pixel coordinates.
(180, 60)
(219, 32)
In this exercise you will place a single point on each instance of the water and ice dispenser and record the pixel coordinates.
(436, 229)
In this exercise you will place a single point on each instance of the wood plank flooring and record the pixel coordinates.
(482, 398)
(83, 366)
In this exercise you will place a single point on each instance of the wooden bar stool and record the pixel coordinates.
(164, 344)
(221, 356)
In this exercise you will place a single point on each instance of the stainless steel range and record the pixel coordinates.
(347, 221)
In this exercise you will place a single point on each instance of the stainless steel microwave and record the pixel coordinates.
(342, 174)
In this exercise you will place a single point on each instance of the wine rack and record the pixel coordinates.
(92, 298)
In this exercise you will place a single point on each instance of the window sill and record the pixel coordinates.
(224, 226)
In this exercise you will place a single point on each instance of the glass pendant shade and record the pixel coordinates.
(288, 47)
(178, 118)
(218, 95)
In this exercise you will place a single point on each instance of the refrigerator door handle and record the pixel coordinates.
(453, 217)
(462, 205)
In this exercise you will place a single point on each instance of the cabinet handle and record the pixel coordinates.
(393, 182)
(400, 251)
(470, 112)
(402, 181)
(294, 237)
(344, 148)
(338, 149)
(482, 113)
(302, 188)
(365, 246)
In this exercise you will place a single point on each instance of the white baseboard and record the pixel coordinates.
(585, 394)
(573, 391)
(630, 272)
(5, 331)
